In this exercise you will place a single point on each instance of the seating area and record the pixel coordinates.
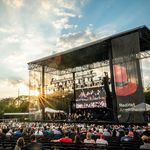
(47, 145)
(53, 136)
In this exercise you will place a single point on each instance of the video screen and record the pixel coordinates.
(94, 97)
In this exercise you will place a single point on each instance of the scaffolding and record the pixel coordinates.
(97, 54)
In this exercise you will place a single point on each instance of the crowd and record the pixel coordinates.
(90, 114)
(95, 104)
(72, 133)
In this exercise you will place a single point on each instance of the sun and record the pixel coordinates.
(34, 93)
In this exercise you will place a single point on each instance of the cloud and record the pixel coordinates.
(13, 67)
(13, 88)
(62, 10)
(74, 39)
(63, 24)
(62, 13)
(107, 30)
(29, 30)
(6, 30)
(14, 3)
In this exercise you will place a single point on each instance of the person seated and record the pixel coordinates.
(77, 139)
(9, 134)
(127, 137)
(2, 135)
(18, 133)
(106, 133)
(38, 132)
(33, 145)
(114, 137)
(146, 141)
(88, 139)
(101, 140)
(19, 144)
(64, 139)
(146, 132)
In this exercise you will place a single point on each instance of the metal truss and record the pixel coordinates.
(53, 71)
(35, 67)
(78, 69)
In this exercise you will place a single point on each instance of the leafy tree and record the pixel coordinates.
(147, 97)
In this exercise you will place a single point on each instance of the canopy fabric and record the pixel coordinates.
(50, 110)
(142, 106)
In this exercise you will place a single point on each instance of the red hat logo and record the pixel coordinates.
(123, 87)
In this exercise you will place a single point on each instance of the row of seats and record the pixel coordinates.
(113, 145)
(73, 146)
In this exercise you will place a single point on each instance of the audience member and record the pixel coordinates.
(33, 145)
(146, 144)
(88, 138)
(19, 144)
(127, 137)
(73, 132)
(101, 140)
(77, 139)
(64, 139)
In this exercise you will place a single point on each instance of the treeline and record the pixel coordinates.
(22, 103)
(10, 105)
(57, 101)
(147, 97)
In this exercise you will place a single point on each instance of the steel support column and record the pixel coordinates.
(114, 98)
(43, 93)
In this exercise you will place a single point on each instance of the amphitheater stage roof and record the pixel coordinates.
(93, 52)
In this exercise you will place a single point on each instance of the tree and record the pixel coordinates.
(147, 97)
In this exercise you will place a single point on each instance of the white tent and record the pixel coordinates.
(51, 113)
(139, 107)
(142, 107)
(50, 110)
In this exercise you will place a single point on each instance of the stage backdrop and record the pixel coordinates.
(127, 78)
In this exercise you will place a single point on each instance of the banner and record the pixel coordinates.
(127, 78)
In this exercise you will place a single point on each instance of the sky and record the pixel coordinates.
(32, 29)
